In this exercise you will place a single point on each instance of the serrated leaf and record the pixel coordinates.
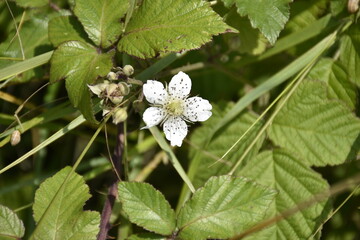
(32, 3)
(159, 26)
(250, 40)
(147, 207)
(80, 63)
(224, 207)
(58, 209)
(221, 143)
(66, 28)
(350, 52)
(146, 236)
(337, 79)
(11, 227)
(269, 16)
(34, 41)
(101, 19)
(320, 131)
(295, 183)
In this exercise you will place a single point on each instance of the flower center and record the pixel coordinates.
(175, 107)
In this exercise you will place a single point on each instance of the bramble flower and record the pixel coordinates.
(171, 107)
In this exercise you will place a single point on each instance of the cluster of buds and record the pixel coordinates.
(112, 93)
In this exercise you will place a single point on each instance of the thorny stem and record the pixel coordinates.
(112, 192)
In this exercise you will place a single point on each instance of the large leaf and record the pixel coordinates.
(101, 19)
(269, 16)
(80, 63)
(225, 206)
(338, 80)
(170, 26)
(204, 168)
(66, 28)
(58, 209)
(147, 207)
(318, 130)
(295, 183)
(11, 227)
(146, 236)
(350, 52)
(32, 3)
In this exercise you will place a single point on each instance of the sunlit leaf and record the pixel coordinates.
(80, 63)
(146, 236)
(58, 209)
(11, 227)
(224, 207)
(269, 16)
(101, 19)
(295, 183)
(318, 130)
(159, 26)
(147, 207)
(32, 3)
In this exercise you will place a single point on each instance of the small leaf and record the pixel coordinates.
(220, 144)
(146, 236)
(224, 207)
(66, 28)
(269, 16)
(11, 227)
(80, 63)
(170, 26)
(58, 208)
(295, 183)
(32, 3)
(318, 130)
(350, 52)
(147, 207)
(101, 19)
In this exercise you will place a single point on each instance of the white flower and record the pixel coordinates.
(172, 107)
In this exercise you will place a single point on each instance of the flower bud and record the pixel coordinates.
(98, 88)
(128, 70)
(124, 88)
(15, 138)
(112, 76)
(119, 115)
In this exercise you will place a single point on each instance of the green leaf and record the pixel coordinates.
(250, 40)
(337, 79)
(319, 131)
(224, 207)
(170, 26)
(350, 52)
(101, 19)
(269, 16)
(66, 28)
(146, 236)
(11, 227)
(32, 3)
(80, 63)
(295, 183)
(58, 208)
(204, 168)
(147, 207)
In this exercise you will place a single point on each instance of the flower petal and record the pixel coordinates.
(153, 116)
(155, 92)
(180, 85)
(197, 109)
(175, 130)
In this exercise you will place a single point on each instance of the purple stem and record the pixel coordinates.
(113, 190)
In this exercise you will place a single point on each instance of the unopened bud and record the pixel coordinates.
(119, 115)
(15, 138)
(112, 76)
(128, 70)
(124, 88)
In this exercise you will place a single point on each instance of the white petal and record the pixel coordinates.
(175, 130)
(180, 85)
(197, 109)
(155, 92)
(153, 116)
